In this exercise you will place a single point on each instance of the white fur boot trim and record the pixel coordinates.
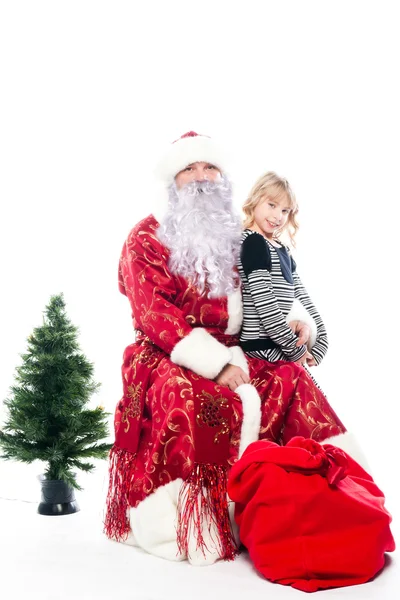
(202, 557)
(235, 527)
(209, 553)
(153, 522)
(251, 423)
(130, 540)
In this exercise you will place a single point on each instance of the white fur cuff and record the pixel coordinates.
(235, 312)
(201, 353)
(239, 358)
(251, 404)
(299, 313)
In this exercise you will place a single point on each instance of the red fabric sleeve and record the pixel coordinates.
(144, 277)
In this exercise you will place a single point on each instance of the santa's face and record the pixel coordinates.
(198, 171)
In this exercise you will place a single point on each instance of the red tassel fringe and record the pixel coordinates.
(121, 468)
(204, 497)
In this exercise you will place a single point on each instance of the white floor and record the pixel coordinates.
(52, 558)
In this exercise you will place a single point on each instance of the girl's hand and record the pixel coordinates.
(304, 359)
(302, 331)
(311, 362)
(232, 376)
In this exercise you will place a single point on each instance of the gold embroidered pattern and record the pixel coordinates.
(132, 411)
(210, 414)
(148, 356)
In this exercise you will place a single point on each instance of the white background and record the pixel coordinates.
(91, 91)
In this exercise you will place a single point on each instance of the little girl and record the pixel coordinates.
(270, 282)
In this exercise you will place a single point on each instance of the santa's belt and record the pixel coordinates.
(259, 344)
(227, 340)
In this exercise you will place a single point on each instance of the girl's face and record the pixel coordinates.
(271, 215)
(198, 171)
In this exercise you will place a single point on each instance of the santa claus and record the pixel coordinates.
(192, 401)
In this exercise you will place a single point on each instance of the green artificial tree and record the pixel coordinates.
(48, 418)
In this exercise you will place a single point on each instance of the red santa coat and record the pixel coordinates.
(173, 420)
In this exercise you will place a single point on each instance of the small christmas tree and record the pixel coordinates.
(48, 419)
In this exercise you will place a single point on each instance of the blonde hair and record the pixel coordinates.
(272, 187)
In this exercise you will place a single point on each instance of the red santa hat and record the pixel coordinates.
(189, 148)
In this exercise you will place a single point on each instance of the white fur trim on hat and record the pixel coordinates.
(189, 149)
(200, 352)
(298, 312)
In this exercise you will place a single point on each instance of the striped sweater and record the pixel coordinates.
(270, 283)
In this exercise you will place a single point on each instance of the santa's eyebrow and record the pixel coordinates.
(206, 163)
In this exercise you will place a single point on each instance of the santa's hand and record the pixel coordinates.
(302, 331)
(232, 376)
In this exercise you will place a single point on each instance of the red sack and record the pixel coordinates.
(309, 515)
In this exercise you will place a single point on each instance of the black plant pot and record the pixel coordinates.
(58, 498)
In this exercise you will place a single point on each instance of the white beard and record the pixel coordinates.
(202, 232)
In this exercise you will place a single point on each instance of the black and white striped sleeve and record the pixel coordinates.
(321, 343)
(256, 261)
